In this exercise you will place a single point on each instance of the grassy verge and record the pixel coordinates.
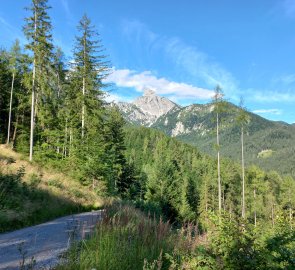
(128, 239)
(30, 194)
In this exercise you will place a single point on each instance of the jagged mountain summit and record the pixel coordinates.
(147, 109)
(194, 124)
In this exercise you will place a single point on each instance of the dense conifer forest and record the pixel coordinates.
(53, 111)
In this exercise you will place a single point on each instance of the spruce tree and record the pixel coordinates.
(89, 70)
(38, 32)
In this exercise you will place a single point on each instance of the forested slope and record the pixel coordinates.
(198, 128)
(183, 182)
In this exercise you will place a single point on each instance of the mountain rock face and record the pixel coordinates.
(195, 125)
(147, 109)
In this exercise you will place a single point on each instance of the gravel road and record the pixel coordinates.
(45, 242)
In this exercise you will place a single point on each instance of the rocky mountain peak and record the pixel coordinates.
(147, 109)
(154, 105)
(148, 92)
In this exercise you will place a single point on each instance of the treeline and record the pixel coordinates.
(182, 182)
(53, 109)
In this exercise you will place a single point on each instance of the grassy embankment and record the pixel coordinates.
(128, 239)
(30, 194)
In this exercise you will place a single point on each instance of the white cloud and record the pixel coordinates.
(162, 86)
(110, 97)
(268, 111)
(271, 96)
(200, 66)
(195, 63)
(285, 79)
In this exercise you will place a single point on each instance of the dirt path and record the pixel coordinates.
(45, 242)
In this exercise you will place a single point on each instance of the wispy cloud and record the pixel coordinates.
(271, 96)
(201, 66)
(141, 80)
(289, 7)
(110, 97)
(285, 79)
(189, 59)
(69, 14)
(10, 30)
(198, 67)
(268, 111)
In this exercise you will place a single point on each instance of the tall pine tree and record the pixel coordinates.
(38, 32)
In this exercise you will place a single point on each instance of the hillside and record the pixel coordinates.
(195, 125)
(147, 109)
(30, 194)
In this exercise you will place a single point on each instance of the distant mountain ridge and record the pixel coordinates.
(146, 109)
(194, 124)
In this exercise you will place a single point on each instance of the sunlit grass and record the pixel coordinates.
(30, 194)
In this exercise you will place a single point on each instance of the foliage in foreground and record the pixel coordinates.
(124, 239)
(30, 194)
(31, 204)
(127, 239)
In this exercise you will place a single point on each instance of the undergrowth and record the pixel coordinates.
(128, 239)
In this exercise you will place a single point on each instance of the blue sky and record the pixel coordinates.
(182, 49)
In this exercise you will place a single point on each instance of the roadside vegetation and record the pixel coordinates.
(30, 194)
(221, 215)
(128, 239)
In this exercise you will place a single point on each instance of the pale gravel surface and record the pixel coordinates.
(45, 242)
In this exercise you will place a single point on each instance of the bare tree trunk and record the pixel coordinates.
(218, 164)
(15, 130)
(33, 98)
(206, 197)
(290, 216)
(84, 90)
(83, 111)
(32, 115)
(272, 215)
(10, 109)
(243, 175)
(65, 140)
(255, 214)
(71, 141)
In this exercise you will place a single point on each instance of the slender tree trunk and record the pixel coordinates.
(33, 98)
(290, 216)
(15, 130)
(272, 215)
(84, 90)
(290, 208)
(83, 111)
(71, 142)
(243, 175)
(255, 214)
(218, 164)
(206, 197)
(65, 140)
(10, 109)
(32, 114)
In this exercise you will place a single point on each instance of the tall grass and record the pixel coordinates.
(128, 239)
(124, 239)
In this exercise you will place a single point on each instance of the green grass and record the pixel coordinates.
(125, 239)
(31, 194)
(23, 204)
